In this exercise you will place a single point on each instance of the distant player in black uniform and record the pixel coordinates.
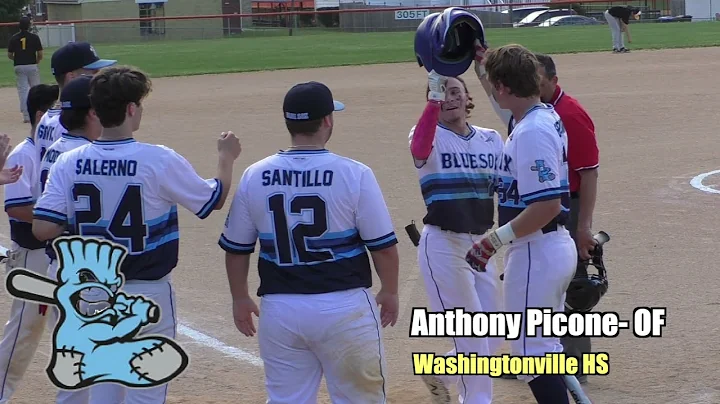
(618, 18)
(26, 51)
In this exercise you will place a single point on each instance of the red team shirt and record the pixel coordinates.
(583, 153)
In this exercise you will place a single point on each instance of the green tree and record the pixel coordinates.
(11, 10)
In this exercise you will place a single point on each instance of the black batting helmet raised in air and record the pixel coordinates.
(585, 292)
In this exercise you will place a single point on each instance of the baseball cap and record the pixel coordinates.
(310, 101)
(77, 55)
(76, 94)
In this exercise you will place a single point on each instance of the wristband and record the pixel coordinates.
(505, 234)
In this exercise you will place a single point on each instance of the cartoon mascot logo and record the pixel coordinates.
(96, 338)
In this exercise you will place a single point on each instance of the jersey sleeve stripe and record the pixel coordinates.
(587, 168)
(537, 195)
(235, 248)
(16, 202)
(381, 242)
(49, 215)
(212, 203)
(545, 197)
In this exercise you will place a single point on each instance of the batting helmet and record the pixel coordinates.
(445, 42)
(585, 292)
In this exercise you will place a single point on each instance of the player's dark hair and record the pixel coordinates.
(113, 88)
(515, 67)
(547, 63)
(74, 119)
(308, 128)
(41, 98)
(24, 24)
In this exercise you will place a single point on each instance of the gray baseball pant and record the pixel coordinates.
(27, 76)
(617, 35)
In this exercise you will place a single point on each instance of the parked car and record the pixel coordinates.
(677, 18)
(538, 17)
(521, 12)
(569, 20)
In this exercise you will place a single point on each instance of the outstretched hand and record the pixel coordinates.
(10, 175)
(5, 148)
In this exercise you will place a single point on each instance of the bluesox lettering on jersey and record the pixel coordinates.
(297, 178)
(106, 168)
(468, 160)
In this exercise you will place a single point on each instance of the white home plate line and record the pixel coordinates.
(218, 345)
(697, 182)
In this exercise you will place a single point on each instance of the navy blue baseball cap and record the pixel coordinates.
(310, 101)
(77, 55)
(76, 94)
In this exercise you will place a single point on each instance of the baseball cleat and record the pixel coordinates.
(624, 50)
(438, 389)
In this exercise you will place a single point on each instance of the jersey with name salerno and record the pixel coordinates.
(49, 129)
(24, 192)
(315, 213)
(534, 165)
(127, 192)
(456, 181)
(65, 143)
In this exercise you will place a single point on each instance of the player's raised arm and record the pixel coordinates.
(504, 114)
(51, 210)
(182, 184)
(376, 230)
(423, 134)
(238, 240)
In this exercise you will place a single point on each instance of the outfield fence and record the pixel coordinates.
(352, 16)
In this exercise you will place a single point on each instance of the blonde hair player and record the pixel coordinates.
(533, 206)
(456, 163)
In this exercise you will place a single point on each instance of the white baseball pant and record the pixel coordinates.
(25, 327)
(537, 275)
(451, 283)
(26, 76)
(337, 334)
(163, 294)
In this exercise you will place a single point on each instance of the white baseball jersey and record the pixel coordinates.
(534, 166)
(48, 131)
(65, 143)
(127, 192)
(315, 213)
(24, 192)
(457, 179)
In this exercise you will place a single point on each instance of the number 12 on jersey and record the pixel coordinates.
(291, 242)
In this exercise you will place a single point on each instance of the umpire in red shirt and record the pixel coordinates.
(583, 163)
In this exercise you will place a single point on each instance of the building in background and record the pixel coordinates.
(69, 10)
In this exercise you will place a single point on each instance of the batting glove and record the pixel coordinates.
(482, 251)
(436, 84)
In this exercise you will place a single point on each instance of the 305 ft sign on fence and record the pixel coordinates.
(411, 14)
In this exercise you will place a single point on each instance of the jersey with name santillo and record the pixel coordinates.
(127, 192)
(314, 213)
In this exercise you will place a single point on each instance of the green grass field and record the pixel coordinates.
(312, 48)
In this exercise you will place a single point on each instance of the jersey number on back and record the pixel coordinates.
(294, 239)
(127, 220)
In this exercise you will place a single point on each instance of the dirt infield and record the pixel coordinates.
(654, 113)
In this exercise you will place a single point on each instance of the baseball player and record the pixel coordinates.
(533, 204)
(315, 213)
(618, 18)
(122, 190)
(69, 61)
(25, 327)
(456, 164)
(583, 163)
